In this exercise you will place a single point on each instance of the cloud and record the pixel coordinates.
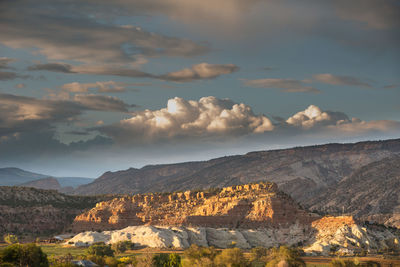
(196, 72)
(20, 85)
(340, 80)
(56, 67)
(313, 116)
(286, 85)
(19, 114)
(102, 103)
(55, 33)
(200, 71)
(4, 61)
(390, 86)
(376, 14)
(102, 87)
(209, 116)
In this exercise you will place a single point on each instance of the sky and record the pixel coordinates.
(88, 86)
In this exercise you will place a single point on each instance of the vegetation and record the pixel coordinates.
(167, 260)
(122, 246)
(23, 255)
(100, 249)
(10, 239)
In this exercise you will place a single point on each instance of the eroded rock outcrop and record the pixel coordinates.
(249, 206)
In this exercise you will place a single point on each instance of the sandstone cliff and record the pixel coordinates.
(253, 206)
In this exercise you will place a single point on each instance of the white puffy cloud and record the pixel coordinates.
(200, 71)
(209, 116)
(313, 116)
(286, 85)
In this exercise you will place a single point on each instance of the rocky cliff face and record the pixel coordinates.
(253, 206)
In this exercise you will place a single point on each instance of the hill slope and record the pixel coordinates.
(33, 211)
(15, 176)
(371, 192)
(18, 177)
(305, 173)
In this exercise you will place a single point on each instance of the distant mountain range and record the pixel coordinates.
(318, 177)
(19, 177)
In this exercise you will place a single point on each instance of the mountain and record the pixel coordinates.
(45, 183)
(371, 192)
(245, 216)
(29, 211)
(17, 177)
(14, 176)
(305, 173)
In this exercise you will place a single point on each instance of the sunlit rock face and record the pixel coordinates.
(248, 206)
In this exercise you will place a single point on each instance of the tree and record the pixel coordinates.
(100, 249)
(24, 255)
(232, 257)
(122, 246)
(199, 256)
(10, 239)
(167, 260)
(285, 254)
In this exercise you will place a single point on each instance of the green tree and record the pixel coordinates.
(167, 260)
(199, 256)
(100, 249)
(284, 254)
(122, 246)
(10, 239)
(24, 255)
(232, 257)
(161, 260)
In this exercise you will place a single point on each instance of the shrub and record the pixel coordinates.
(100, 249)
(199, 256)
(232, 257)
(122, 246)
(24, 255)
(10, 239)
(167, 260)
(289, 255)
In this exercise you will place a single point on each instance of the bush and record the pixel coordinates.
(24, 255)
(10, 239)
(167, 260)
(289, 255)
(100, 249)
(122, 246)
(199, 256)
(232, 257)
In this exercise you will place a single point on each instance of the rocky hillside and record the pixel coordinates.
(371, 192)
(244, 216)
(243, 206)
(30, 211)
(309, 174)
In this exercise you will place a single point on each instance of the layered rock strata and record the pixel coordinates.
(249, 206)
